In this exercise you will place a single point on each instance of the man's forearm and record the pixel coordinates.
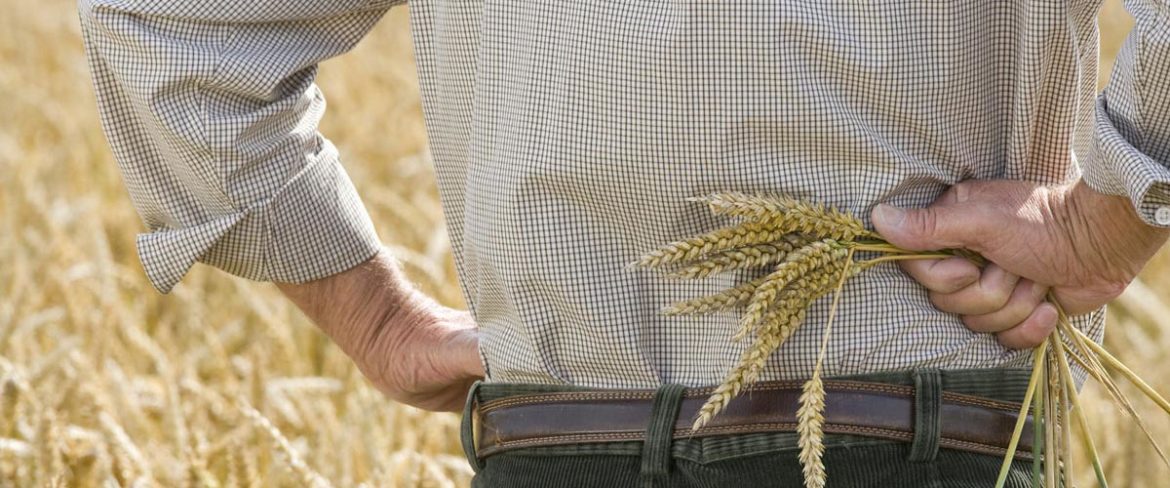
(352, 307)
(412, 348)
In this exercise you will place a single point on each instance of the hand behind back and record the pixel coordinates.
(1083, 246)
(411, 348)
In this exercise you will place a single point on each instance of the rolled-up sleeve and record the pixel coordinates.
(211, 111)
(1128, 152)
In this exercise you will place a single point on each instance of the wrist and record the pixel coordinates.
(1109, 222)
(1110, 212)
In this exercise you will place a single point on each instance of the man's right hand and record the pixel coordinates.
(413, 349)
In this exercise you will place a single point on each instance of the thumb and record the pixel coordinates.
(926, 229)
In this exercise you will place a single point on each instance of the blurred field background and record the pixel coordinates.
(103, 382)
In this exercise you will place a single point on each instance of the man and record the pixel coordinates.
(567, 137)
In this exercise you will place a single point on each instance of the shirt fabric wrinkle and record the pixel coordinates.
(567, 136)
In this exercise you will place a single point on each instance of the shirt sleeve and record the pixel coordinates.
(211, 111)
(1128, 152)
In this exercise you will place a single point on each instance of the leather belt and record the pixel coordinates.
(877, 410)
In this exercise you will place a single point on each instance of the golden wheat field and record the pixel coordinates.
(104, 382)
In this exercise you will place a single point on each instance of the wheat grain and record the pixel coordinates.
(727, 238)
(751, 256)
(790, 215)
(727, 299)
(810, 428)
(797, 264)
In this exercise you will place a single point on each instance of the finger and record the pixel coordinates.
(1032, 331)
(942, 275)
(1024, 299)
(987, 295)
(955, 221)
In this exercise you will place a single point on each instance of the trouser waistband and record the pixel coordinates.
(922, 399)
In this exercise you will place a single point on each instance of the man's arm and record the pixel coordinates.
(1084, 242)
(211, 111)
(413, 349)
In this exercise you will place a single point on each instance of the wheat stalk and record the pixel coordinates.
(294, 461)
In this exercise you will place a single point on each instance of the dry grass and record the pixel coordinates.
(222, 382)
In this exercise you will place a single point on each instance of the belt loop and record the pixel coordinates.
(467, 427)
(927, 406)
(659, 434)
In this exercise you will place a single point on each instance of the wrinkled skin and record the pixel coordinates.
(411, 348)
(1083, 246)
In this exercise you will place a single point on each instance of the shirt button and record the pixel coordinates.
(1162, 215)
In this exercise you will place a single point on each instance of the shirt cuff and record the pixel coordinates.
(1112, 165)
(314, 227)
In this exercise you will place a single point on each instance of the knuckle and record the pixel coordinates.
(1029, 334)
(942, 302)
(955, 283)
(976, 323)
(924, 223)
(1113, 289)
(1015, 339)
(992, 299)
(917, 269)
(1036, 335)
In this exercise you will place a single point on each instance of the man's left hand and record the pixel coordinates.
(1083, 246)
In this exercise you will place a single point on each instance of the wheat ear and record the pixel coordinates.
(307, 477)
(789, 214)
(744, 234)
(803, 291)
(752, 256)
(749, 364)
(811, 414)
(797, 264)
(727, 299)
(778, 324)
(9, 401)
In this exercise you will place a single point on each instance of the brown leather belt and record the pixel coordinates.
(878, 410)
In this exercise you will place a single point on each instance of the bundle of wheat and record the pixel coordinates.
(812, 251)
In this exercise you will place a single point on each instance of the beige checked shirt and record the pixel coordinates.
(568, 135)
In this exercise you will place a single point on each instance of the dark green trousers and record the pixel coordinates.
(748, 460)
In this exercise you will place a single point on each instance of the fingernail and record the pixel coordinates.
(889, 214)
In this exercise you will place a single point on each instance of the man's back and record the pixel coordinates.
(567, 138)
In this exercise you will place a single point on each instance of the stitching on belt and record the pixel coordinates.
(832, 386)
